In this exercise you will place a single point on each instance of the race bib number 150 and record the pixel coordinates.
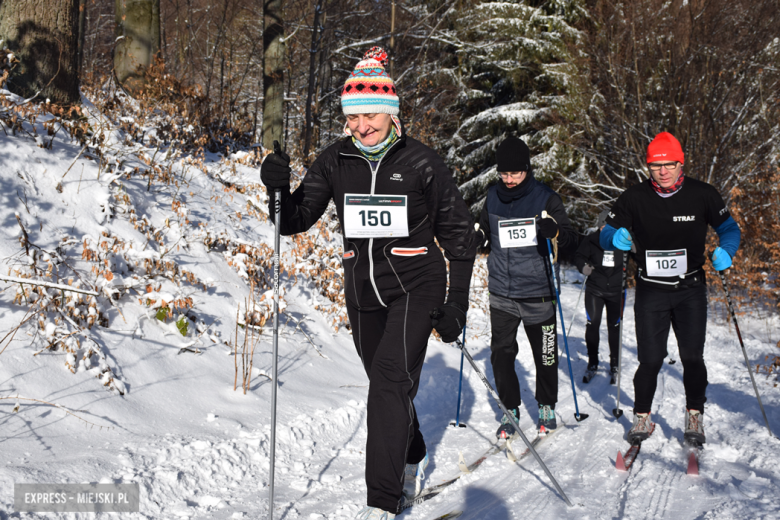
(375, 216)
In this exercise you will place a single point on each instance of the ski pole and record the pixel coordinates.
(617, 412)
(460, 387)
(512, 419)
(577, 415)
(744, 352)
(277, 233)
(579, 299)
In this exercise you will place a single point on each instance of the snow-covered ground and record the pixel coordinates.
(200, 450)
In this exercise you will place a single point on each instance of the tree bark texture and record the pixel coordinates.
(138, 40)
(315, 47)
(44, 36)
(273, 77)
(82, 33)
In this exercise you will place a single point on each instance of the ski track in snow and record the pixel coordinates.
(200, 450)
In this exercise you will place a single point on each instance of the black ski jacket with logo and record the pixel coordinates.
(604, 281)
(379, 270)
(678, 222)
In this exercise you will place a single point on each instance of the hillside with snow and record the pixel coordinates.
(138, 377)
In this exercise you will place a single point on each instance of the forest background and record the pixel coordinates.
(586, 83)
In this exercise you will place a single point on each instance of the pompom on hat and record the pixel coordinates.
(665, 147)
(369, 89)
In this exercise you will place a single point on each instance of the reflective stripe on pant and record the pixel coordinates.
(686, 311)
(392, 343)
(594, 306)
(504, 348)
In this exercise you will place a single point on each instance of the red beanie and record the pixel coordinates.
(665, 147)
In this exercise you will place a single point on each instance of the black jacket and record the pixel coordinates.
(676, 223)
(604, 281)
(379, 270)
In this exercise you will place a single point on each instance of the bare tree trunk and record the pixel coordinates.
(82, 34)
(315, 45)
(273, 75)
(44, 36)
(138, 40)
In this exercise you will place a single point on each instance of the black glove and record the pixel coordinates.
(548, 228)
(449, 320)
(275, 170)
(587, 269)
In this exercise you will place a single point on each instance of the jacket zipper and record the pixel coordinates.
(371, 240)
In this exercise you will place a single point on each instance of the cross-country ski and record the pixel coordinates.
(624, 461)
(433, 490)
(448, 516)
(693, 450)
(516, 451)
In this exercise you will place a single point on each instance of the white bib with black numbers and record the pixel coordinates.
(667, 263)
(517, 232)
(608, 260)
(375, 216)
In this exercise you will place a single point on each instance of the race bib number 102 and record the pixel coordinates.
(375, 216)
(667, 263)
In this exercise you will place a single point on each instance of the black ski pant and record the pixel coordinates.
(392, 343)
(686, 311)
(504, 348)
(594, 306)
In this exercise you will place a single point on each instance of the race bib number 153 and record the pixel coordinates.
(518, 232)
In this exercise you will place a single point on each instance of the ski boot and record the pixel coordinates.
(590, 372)
(547, 422)
(374, 513)
(694, 428)
(413, 477)
(641, 429)
(613, 371)
(506, 429)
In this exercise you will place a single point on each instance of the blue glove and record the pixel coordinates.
(720, 259)
(622, 239)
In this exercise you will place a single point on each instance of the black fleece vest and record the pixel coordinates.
(519, 272)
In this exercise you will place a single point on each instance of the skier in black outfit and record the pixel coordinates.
(666, 218)
(604, 270)
(393, 196)
(520, 279)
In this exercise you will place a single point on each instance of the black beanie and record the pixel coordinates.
(513, 155)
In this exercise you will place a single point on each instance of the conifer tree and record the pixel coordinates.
(514, 75)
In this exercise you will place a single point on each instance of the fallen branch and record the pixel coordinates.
(74, 161)
(51, 285)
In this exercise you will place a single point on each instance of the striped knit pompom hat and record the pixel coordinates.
(369, 89)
